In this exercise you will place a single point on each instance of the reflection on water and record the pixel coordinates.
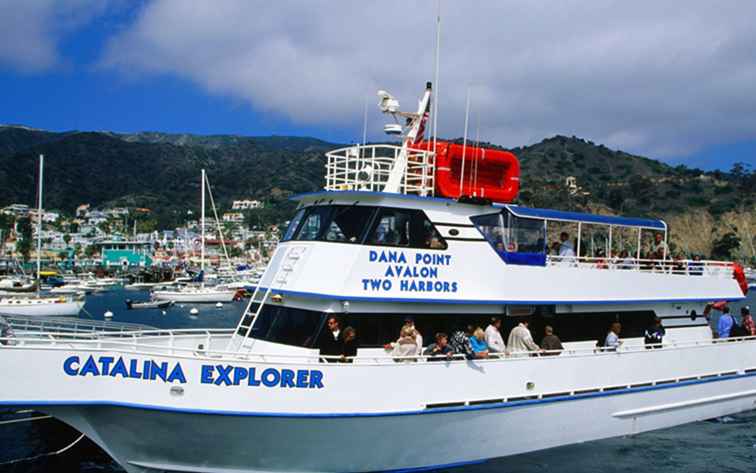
(723, 445)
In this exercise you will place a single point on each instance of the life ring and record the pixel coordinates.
(739, 274)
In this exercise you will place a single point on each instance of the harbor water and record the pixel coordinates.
(719, 445)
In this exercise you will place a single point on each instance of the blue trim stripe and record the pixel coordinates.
(442, 410)
(548, 214)
(491, 301)
(436, 467)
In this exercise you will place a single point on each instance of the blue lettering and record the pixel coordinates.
(159, 371)
(68, 365)
(287, 378)
(389, 272)
(133, 371)
(223, 375)
(302, 378)
(105, 362)
(240, 374)
(119, 368)
(177, 375)
(206, 374)
(373, 255)
(90, 367)
(316, 379)
(271, 377)
(252, 381)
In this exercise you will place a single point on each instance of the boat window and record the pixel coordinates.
(349, 223)
(314, 223)
(515, 240)
(279, 324)
(405, 227)
(293, 225)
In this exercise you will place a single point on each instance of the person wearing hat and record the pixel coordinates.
(746, 321)
(654, 334)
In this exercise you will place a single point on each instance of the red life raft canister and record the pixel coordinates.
(489, 173)
(739, 274)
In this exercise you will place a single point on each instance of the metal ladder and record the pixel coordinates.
(280, 278)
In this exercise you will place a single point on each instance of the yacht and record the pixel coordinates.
(407, 230)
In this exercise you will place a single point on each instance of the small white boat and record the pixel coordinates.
(138, 286)
(131, 305)
(196, 294)
(17, 285)
(41, 305)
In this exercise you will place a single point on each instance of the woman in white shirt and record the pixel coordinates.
(493, 336)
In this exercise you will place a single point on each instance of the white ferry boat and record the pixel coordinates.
(386, 240)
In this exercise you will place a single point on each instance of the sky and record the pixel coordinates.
(673, 80)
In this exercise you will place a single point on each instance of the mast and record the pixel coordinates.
(436, 75)
(464, 146)
(202, 226)
(39, 221)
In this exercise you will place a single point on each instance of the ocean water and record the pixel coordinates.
(721, 445)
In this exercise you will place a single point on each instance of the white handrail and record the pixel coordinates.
(710, 268)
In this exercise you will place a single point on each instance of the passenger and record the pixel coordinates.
(332, 341)
(500, 248)
(520, 340)
(695, 268)
(747, 321)
(550, 343)
(725, 323)
(6, 331)
(494, 339)
(349, 347)
(440, 349)
(678, 266)
(660, 247)
(460, 343)
(405, 347)
(612, 341)
(654, 334)
(478, 343)
(410, 322)
(566, 250)
(626, 261)
(601, 262)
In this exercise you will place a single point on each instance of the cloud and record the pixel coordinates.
(664, 79)
(30, 30)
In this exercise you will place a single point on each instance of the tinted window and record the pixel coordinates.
(510, 234)
(287, 325)
(348, 224)
(404, 227)
(314, 223)
(291, 230)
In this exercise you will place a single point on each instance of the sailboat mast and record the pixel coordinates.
(202, 225)
(39, 220)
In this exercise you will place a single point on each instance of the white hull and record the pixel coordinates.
(206, 296)
(226, 443)
(68, 308)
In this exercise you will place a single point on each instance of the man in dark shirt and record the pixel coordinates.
(654, 334)
(550, 343)
(331, 342)
(440, 349)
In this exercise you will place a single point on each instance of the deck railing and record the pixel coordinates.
(144, 343)
(367, 168)
(718, 269)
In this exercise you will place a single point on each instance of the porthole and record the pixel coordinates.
(453, 232)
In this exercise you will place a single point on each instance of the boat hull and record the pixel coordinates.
(200, 297)
(257, 443)
(58, 309)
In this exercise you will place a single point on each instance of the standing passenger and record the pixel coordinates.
(460, 343)
(410, 322)
(725, 323)
(747, 321)
(405, 346)
(349, 348)
(493, 336)
(654, 334)
(520, 339)
(550, 342)
(478, 343)
(612, 341)
(331, 342)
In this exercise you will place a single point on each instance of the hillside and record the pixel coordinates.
(161, 171)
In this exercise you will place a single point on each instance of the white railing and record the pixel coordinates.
(30, 323)
(367, 168)
(144, 343)
(719, 269)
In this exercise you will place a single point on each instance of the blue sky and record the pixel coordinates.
(647, 82)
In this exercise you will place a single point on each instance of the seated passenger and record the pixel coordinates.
(349, 348)
(612, 341)
(6, 331)
(626, 261)
(654, 334)
(494, 339)
(332, 341)
(520, 340)
(550, 343)
(460, 343)
(566, 250)
(405, 347)
(440, 349)
(410, 322)
(478, 343)
(696, 267)
(601, 260)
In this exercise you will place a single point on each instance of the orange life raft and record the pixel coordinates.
(488, 173)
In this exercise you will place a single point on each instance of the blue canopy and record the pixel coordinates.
(560, 215)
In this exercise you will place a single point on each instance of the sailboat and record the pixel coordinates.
(198, 293)
(58, 305)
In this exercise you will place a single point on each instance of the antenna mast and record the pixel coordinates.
(39, 221)
(436, 75)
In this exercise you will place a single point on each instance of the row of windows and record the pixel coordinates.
(409, 228)
(304, 328)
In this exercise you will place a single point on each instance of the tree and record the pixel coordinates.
(24, 244)
(726, 245)
(66, 239)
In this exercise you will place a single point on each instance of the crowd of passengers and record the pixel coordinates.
(650, 260)
(474, 342)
